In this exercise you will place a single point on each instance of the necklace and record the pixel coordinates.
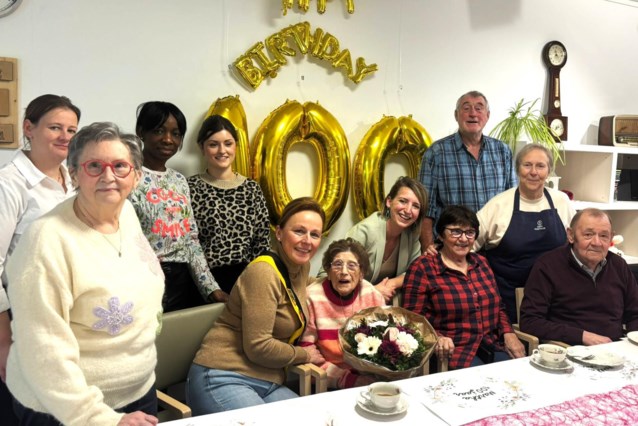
(87, 218)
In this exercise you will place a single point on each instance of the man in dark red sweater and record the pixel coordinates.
(581, 293)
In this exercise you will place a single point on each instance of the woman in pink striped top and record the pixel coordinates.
(331, 302)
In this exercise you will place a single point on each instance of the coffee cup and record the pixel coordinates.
(551, 354)
(383, 395)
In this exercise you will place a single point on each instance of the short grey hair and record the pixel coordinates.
(532, 147)
(472, 94)
(103, 132)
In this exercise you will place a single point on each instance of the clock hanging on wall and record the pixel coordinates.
(555, 57)
(8, 6)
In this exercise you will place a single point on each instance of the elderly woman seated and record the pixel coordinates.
(457, 293)
(332, 302)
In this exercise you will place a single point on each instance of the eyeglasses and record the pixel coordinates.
(478, 108)
(350, 266)
(119, 168)
(457, 232)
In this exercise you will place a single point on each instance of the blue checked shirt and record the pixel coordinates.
(452, 175)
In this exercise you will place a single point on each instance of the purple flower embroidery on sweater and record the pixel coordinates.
(115, 317)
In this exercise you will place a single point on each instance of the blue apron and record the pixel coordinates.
(529, 235)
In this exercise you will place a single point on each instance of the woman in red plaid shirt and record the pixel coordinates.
(457, 293)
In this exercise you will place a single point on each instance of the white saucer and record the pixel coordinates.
(632, 336)
(367, 406)
(561, 366)
(602, 359)
(578, 351)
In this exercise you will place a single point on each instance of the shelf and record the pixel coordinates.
(616, 205)
(601, 149)
(590, 174)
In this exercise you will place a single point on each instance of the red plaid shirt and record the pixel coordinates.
(467, 309)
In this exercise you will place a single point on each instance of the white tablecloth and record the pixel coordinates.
(452, 398)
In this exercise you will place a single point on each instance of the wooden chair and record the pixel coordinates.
(180, 338)
(532, 341)
(520, 294)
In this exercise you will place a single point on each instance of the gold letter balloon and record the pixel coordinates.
(263, 60)
(304, 5)
(293, 123)
(231, 108)
(390, 136)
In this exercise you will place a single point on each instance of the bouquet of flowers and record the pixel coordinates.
(387, 341)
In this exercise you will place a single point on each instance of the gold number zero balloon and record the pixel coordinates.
(231, 108)
(390, 136)
(294, 123)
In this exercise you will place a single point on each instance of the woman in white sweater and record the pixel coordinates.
(86, 292)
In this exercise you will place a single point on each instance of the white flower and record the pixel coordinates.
(407, 343)
(359, 337)
(391, 333)
(368, 346)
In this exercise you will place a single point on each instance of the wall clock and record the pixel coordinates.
(8, 6)
(555, 57)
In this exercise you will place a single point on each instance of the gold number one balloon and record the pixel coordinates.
(231, 108)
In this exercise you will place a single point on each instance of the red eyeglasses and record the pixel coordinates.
(120, 168)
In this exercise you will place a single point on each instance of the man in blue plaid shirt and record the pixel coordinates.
(466, 168)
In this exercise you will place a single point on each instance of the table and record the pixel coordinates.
(503, 388)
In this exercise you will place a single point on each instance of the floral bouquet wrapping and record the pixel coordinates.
(387, 341)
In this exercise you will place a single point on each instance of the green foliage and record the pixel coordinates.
(526, 120)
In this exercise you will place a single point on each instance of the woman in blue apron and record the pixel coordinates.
(520, 224)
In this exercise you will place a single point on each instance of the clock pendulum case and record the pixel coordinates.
(555, 57)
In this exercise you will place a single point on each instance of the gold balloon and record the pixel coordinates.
(231, 108)
(390, 136)
(304, 5)
(293, 123)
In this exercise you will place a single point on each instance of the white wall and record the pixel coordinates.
(109, 56)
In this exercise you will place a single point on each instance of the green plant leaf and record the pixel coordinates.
(524, 120)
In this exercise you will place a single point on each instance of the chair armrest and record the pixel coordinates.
(171, 404)
(306, 372)
(532, 341)
(442, 365)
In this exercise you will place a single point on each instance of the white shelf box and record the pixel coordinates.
(590, 175)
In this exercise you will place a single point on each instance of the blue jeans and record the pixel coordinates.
(498, 357)
(210, 391)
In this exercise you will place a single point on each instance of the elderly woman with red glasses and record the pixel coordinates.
(457, 293)
(86, 292)
(332, 301)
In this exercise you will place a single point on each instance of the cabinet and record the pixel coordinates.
(590, 174)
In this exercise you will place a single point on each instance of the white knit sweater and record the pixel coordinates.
(84, 318)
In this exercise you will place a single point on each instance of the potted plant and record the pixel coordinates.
(524, 120)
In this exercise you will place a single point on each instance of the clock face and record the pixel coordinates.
(8, 6)
(557, 127)
(557, 54)
(556, 103)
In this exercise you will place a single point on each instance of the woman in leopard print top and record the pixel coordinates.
(229, 208)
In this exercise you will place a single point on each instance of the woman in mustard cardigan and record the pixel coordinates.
(243, 357)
